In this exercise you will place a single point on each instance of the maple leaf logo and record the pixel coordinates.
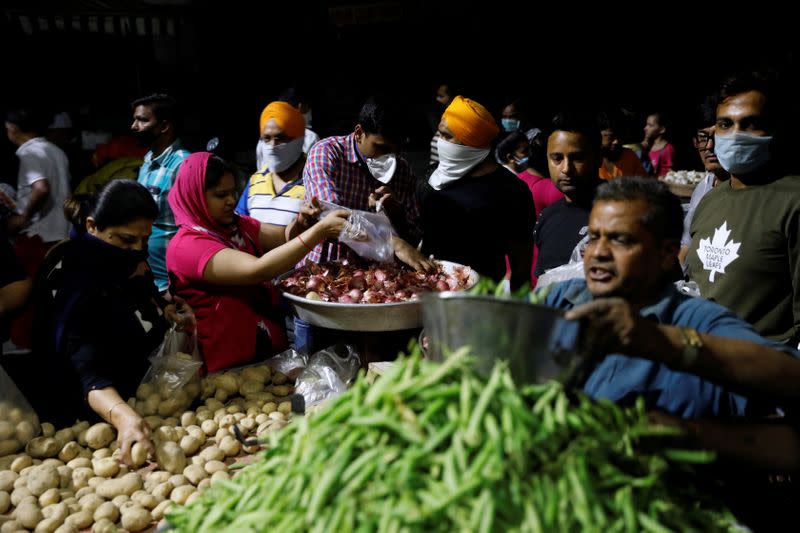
(718, 253)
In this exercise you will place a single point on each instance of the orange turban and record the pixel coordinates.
(289, 118)
(470, 122)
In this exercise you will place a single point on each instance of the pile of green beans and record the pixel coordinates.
(433, 447)
(501, 289)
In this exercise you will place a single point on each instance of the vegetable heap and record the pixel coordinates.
(374, 284)
(433, 447)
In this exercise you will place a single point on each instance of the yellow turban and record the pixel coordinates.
(288, 118)
(470, 122)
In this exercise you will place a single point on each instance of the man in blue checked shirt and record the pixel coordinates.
(155, 120)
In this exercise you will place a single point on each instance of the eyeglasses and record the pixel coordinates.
(703, 139)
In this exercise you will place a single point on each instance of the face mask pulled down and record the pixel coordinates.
(742, 153)
(279, 157)
(455, 161)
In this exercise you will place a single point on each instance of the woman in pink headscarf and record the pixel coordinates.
(221, 263)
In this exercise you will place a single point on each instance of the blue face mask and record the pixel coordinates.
(742, 153)
(522, 163)
(510, 124)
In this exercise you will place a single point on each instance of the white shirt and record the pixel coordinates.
(39, 159)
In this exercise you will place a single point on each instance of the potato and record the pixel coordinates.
(65, 528)
(155, 478)
(204, 484)
(20, 463)
(99, 435)
(83, 492)
(285, 407)
(50, 497)
(161, 509)
(143, 499)
(154, 422)
(81, 438)
(279, 379)
(213, 404)
(5, 501)
(19, 494)
(80, 427)
(217, 476)
(91, 502)
(127, 484)
(169, 407)
(65, 475)
(233, 408)
(63, 436)
(101, 453)
(197, 460)
(195, 474)
(136, 519)
(28, 514)
(26, 430)
(104, 526)
(144, 391)
(170, 457)
(209, 427)
(48, 525)
(107, 511)
(7, 479)
(138, 454)
(69, 451)
(178, 480)
(198, 433)
(80, 520)
(228, 383)
(42, 478)
(180, 494)
(13, 526)
(42, 447)
(165, 433)
(7, 430)
(119, 500)
(150, 405)
(80, 462)
(212, 453)
(163, 490)
(9, 446)
(107, 467)
(95, 481)
(230, 446)
(189, 444)
(250, 450)
(59, 512)
(192, 497)
(212, 467)
(269, 407)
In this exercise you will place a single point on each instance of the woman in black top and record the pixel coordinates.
(98, 315)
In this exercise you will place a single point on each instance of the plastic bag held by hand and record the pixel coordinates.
(173, 380)
(367, 234)
(18, 422)
(327, 375)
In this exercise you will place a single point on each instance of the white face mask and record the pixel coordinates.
(742, 153)
(455, 161)
(279, 157)
(382, 168)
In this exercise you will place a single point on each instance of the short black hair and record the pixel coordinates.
(768, 83)
(118, 203)
(578, 122)
(28, 119)
(508, 144)
(381, 115)
(664, 216)
(295, 95)
(164, 107)
(215, 169)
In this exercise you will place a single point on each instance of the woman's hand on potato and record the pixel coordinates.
(179, 313)
(131, 428)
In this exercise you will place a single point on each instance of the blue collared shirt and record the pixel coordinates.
(157, 175)
(621, 378)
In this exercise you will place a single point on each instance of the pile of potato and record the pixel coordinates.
(161, 392)
(17, 427)
(72, 479)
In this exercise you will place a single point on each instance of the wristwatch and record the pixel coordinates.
(692, 344)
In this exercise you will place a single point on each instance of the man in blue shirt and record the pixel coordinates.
(656, 338)
(155, 120)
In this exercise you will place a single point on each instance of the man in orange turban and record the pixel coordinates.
(476, 212)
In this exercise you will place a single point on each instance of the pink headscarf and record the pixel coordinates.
(187, 198)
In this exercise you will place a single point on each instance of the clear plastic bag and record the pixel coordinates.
(367, 234)
(290, 363)
(18, 421)
(572, 270)
(328, 374)
(173, 380)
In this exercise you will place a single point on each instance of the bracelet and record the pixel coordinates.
(114, 407)
(310, 249)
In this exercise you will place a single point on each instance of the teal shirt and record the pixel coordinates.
(157, 175)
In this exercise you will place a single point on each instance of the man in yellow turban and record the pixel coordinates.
(275, 193)
(476, 212)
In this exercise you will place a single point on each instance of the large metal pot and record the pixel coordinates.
(362, 317)
(538, 343)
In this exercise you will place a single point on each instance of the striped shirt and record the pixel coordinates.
(260, 201)
(157, 175)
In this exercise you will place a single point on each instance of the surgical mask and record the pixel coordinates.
(279, 157)
(307, 118)
(510, 124)
(522, 163)
(742, 153)
(455, 161)
(382, 168)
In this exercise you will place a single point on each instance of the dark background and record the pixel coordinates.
(225, 60)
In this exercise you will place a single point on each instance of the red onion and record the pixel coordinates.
(372, 297)
(356, 295)
(442, 286)
(345, 299)
(358, 282)
(380, 275)
(314, 283)
(401, 295)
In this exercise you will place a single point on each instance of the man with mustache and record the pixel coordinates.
(653, 340)
(155, 123)
(573, 157)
